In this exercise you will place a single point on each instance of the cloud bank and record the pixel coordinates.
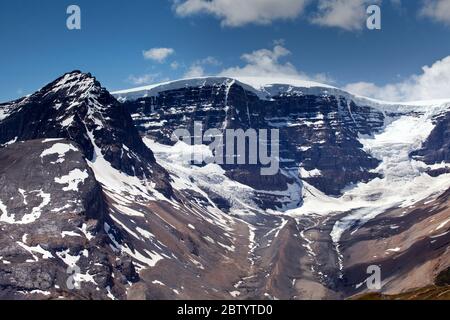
(235, 13)
(349, 15)
(432, 83)
(268, 63)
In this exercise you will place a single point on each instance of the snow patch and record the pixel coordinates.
(73, 179)
(67, 122)
(150, 259)
(70, 234)
(309, 174)
(60, 149)
(235, 294)
(10, 142)
(442, 225)
(37, 249)
(27, 218)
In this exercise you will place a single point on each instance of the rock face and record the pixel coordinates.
(55, 215)
(52, 216)
(318, 133)
(436, 148)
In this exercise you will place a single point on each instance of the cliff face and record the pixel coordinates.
(436, 148)
(318, 133)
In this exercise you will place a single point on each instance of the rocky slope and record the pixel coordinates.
(52, 217)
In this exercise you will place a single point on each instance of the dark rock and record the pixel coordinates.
(127, 269)
(443, 279)
(436, 148)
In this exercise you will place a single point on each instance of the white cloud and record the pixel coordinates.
(438, 10)
(266, 63)
(209, 61)
(432, 83)
(195, 71)
(349, 15)
(279, 42)
(197, 68)
(142, 79)
(236, 13)
(158, 54)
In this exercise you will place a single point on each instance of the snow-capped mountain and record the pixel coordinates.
(351, 159)
(81, 193)
(95, 181)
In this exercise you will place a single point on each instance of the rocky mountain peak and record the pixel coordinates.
(74, 80)
(77, 108)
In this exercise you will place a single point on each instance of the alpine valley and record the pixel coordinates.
(97, 202)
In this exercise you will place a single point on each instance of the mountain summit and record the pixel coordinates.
(76, 107)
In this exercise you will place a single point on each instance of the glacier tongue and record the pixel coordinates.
(404, 181)
(211, 177)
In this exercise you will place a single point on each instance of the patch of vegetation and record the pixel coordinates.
(427, 293)
(443, 279)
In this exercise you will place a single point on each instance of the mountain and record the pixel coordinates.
(77, 108)
(81, 192)
(96, 182)
(353, 161)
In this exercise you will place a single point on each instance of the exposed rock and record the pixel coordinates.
(436, 148)
(51, 220)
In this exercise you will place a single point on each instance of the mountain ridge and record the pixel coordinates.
(259, 83)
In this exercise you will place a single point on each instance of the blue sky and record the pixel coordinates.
(315, 39)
